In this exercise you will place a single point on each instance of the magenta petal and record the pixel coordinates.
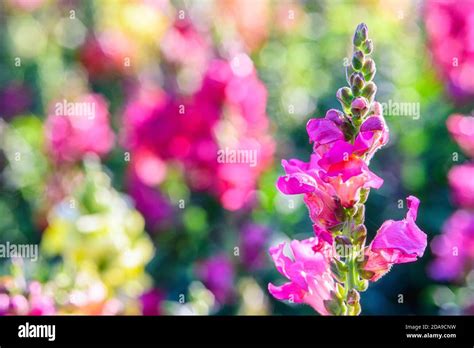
(335, 116)
(413, 203)
(296, 183)
(294, 166)
(373, 123)
(287, 291)
(282, 262)
(323, 131)
(402, 239)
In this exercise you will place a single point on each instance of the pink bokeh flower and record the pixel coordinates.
(227, 113)
(461, 129)
(308, 272)
(462, 184)
(396, 242)
(74, 129)
(450, 30)
(454, 248)
(31, 302)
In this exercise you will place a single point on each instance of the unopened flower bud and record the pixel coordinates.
(360, 34)
(364, 192)
(353, 297)
(357, 60)
(344, 95)
(369, 69)
(367, 46)
(335, 306)
(357, 83)
(369, 91)
(359, 107)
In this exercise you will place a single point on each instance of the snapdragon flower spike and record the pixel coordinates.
(335, 184)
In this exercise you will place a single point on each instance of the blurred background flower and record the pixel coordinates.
(140, 142)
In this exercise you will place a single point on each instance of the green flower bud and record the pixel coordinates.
(367, 46)
(369, 91)
(360, 34)
(355, 309)
(338, 272)
(357, 60)
(359, 234)
(364, 194)
(362, 285)
(344, 95)
(359, 215)
(357, 83)
(369, 69)
(353, 297)
(335, 306)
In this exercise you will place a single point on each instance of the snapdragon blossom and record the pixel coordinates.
(335, 183)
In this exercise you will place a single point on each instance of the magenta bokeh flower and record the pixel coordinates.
(75, 128)
(308, 272)
(32, 302)
(461, 129)
(253, 239)
(227, 114)
(15, 99)
(461, 181)
(217, 274)
(454, 248)
(396, 242)
(154, 207)
(151, 302)
(450, 30)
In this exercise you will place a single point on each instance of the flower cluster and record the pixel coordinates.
(227, 113)
(449, 26)
(329, 270)
(454, 248)
(101, 242)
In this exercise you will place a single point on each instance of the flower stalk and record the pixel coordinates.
(329, 270)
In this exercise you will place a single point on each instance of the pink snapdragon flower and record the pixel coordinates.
(454, 248)
(461, 129)
(450, 30)
(71, 135)
(396, 242)
(308, 271)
